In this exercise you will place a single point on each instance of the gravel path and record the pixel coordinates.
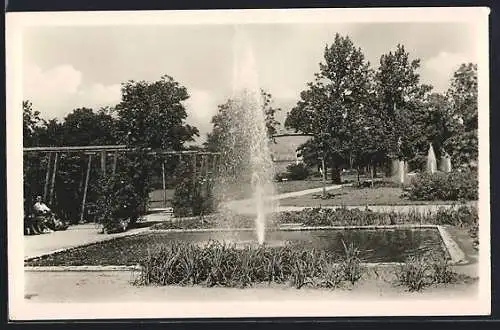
(116, 286)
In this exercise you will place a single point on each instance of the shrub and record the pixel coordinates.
(192, 199)
(454, 186)
(122, 197)
(297, 171)
(118, 205)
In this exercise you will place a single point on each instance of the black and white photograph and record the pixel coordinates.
(248, 163)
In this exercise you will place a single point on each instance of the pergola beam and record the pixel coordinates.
(112, 149)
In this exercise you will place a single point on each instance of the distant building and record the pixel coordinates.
(284, 151)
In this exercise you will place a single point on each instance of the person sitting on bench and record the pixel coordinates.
(42, 213)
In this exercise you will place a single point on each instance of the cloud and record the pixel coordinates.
(201, 107)
(59, 90)
(63, 79)
(438, 70)
(99, 95)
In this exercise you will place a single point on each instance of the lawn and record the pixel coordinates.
(357, 196)
(238, 191)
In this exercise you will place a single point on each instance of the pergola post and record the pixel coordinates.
(214, 165)
(86, 187)
(164, 183)
(203, 165)
(47, 177)
(194, 171)
(52, 184)
(103, 162)
(115, 161)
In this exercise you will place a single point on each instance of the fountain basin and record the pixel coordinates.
(375, 245)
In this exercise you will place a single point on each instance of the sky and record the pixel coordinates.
(69, 67)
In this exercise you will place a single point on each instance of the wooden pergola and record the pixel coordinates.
(104, 152)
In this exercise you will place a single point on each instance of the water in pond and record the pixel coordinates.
(393, 245)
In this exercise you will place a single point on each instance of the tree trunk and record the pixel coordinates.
(372, 174)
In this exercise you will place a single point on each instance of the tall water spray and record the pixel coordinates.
(246, 154)
(431, 160)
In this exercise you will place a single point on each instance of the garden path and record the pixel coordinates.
(245, 206)
(74, 236)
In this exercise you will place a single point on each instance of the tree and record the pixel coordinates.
(462, 95)
(223, 123)
(50, 133)
(85, 127)
(31, 120)
(433, 121)
(332, 103)
(400, 99)
(269, 111)
(152, 115)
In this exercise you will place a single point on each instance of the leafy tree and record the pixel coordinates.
(226, 119)
(31, 119)
(272, 124)
(462, 95)
(433, 121)
(50, 134)
(400, 102)
(332, 103)
(85, 127)
(152, 115)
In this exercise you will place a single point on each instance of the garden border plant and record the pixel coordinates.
(223, 264)
(417, 273)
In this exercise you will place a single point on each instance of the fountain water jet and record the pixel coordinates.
(246, 152)
(431, 160)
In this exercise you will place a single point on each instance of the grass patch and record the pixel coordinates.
(237, 191)
(358, 196)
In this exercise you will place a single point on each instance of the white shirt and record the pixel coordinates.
(41, 207)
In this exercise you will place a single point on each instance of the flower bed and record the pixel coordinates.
(464, 217)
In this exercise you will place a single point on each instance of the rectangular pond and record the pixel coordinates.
(374, 245)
